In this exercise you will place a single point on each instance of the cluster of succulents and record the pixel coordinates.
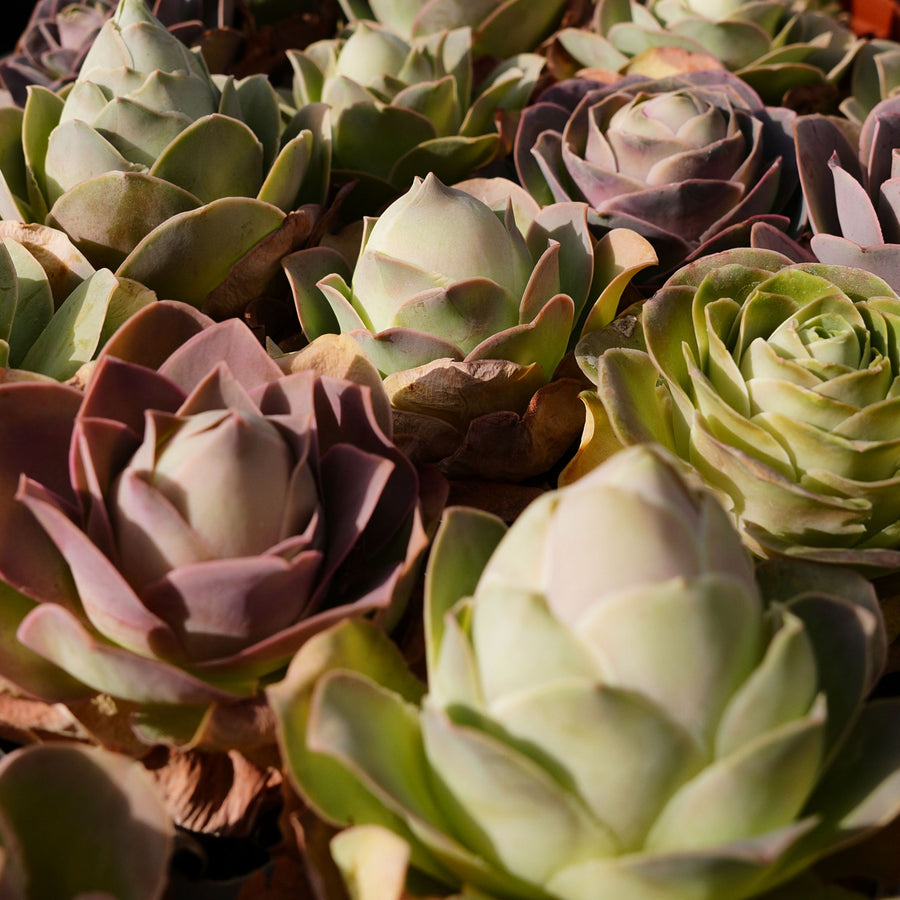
(456, 457)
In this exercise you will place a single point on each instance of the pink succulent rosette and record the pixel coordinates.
(172, 535)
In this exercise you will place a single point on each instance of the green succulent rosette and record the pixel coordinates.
(466, 299)
(615, 708)
(774, 46)
(146, 160)
(779, 383)
(403, 108)
(501, 28)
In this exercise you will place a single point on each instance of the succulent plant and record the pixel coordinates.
(850, 189)
(680, 160)
(124, 163)
(450, 289)
(176, 532)
(56, 310)
(774, 46)
(778, 382)
(401, 108)
(501, 28)
(614, 707)
(60, 32)
(78, 821)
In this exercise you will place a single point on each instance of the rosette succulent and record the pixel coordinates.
(779, 383)
(774, 46)
(680, 160)
(127, 162)
(401, 108)
(447, 286)
(56, 310)
(850, 185)
(172, 535)
(501, 28)
(614, 707)
(876, 77)
(60, 32)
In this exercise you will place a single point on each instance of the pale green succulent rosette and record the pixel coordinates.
(56, 310)
(81, 822)
(779, 383)
(615, 708)
(128, 161)
(772, 45)
(467, 299)
(501, 28)
(402, 108)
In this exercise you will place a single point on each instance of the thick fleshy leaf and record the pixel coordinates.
(189, 161)
(471, 765)
(107, 216)
(110, 833)
(214, 237)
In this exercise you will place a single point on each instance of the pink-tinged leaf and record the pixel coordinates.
(154, 333)
(818, 137)
(856, 215)
(882, 260)
(121, 391)
(37, 426)
(108, 600)
(685, 210)
(761, 197)
(229, 341)
(358, 499)
(100, 448)
(878, 137)
(220, 607)
(152, 535)
(60, 637)
(598, 185)
(218, 390)
(535, 121)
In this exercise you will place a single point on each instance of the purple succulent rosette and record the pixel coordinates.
(852, 189)
(680, 160)
(175, 533)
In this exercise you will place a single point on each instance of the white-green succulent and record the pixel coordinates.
(147, 160)
(615, 708)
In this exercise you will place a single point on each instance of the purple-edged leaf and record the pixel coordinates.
(60, 637)
(122, 391)
(536, 120)
(220, 607)
(151, 335)
(108, 600)
(230, 342)
(856, 215)
(38, 419)
(818, 137)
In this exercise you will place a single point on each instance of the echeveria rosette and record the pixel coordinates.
(56, 310)
(78, 821)
(779, 383)
(467, 299)
(501, 28)
(850, 185)
(192, 518)
(680, 160)
(775, 47)
(128, 160)
(614, 707)
(403, 108)
(60, 32)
